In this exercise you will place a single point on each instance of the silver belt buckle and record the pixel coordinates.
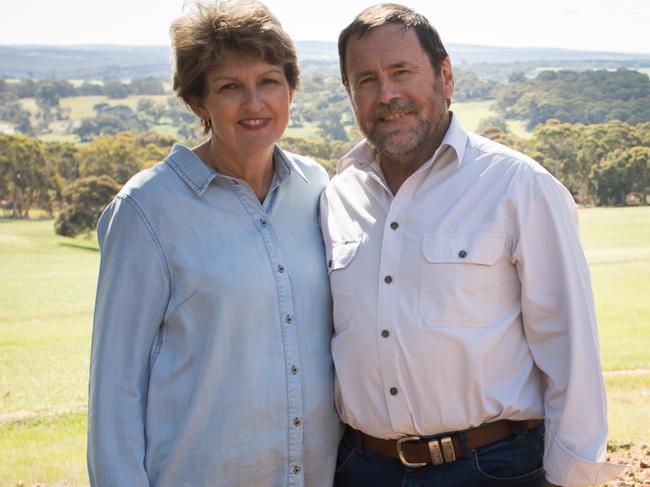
(447, 449)
(400, 452)
(441, 450)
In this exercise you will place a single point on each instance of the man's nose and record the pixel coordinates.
(388, 91)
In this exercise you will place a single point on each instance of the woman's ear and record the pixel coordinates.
(196, 105)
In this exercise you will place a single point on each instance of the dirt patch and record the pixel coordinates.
(638, 457)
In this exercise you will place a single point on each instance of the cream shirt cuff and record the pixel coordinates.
(564, 468)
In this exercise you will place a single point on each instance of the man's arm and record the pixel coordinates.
(132, 293)
(560, 326)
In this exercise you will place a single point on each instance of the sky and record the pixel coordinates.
(594, 25)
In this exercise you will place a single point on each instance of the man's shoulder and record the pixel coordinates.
(498, 154)
(518, 172)
(313, 171)
(350, 178)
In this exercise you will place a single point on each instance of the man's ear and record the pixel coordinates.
(447, 78)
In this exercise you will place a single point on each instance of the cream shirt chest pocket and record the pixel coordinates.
(340, 256)
(466, 280)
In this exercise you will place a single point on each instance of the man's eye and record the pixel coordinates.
(270, 81)
(365, 81)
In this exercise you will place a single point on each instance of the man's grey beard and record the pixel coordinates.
(396, 144)
(404, 144)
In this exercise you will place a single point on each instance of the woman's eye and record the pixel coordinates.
(226, 87)
(269, 81)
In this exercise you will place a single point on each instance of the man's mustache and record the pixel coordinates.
(394, 106)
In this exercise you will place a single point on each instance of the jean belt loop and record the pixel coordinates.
(464, 444)
(357, 440)
(516, 429)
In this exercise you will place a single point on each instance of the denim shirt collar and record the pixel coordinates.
(198, 175)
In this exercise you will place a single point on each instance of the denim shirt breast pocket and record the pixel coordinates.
(340, 256)
(463, 278)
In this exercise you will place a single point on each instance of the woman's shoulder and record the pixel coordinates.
(148, 182)
(159, 181)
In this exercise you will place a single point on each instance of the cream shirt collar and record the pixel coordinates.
(363, 156)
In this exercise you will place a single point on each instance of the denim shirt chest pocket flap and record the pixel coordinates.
(340, 255)
(461, 279)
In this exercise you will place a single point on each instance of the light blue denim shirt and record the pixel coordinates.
(210, 361)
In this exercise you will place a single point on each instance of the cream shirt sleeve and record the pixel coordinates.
(560, 325)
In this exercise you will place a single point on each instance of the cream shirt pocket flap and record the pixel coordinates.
(478, 248)
(342, 253)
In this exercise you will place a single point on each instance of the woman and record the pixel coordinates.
(210, 358)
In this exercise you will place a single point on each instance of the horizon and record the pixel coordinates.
(304, 41)
(577, 25)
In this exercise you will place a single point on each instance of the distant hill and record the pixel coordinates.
(125, 62)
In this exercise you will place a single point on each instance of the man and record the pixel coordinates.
(465, 346)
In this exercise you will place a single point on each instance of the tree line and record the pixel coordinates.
(602, 164)
(605, 164)
(48, 93)
(587, 97)
(321, 101)
(72, 182)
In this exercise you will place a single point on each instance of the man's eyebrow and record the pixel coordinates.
(363, 74)
(397, 65)
(401, 64)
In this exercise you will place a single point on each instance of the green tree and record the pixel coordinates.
(28, 177)
(119, 157)
(146, 86)
(622, 172)
(84, 202)
(490, 123)
(587, 97)
(115, 90)
(558, 144)
(47, 101)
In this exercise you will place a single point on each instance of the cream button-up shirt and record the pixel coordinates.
(465, 298)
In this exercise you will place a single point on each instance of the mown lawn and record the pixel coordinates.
(47, 286)
(471, 113)
(81, 107)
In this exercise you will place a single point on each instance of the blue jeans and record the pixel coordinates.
(515, 461)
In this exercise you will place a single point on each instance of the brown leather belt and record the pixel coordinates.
(418, 451)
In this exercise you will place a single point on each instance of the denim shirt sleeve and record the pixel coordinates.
(132, 295)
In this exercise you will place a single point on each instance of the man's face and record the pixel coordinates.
(398, 100)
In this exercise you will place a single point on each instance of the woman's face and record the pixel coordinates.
(247, 101)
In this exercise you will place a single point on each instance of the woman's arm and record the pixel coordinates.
(132, 294)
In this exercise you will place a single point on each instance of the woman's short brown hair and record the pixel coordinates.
(201, 37)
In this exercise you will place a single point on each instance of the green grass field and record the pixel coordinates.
(308, 131)
(47, 286)
(82, 106)
(471, 113)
